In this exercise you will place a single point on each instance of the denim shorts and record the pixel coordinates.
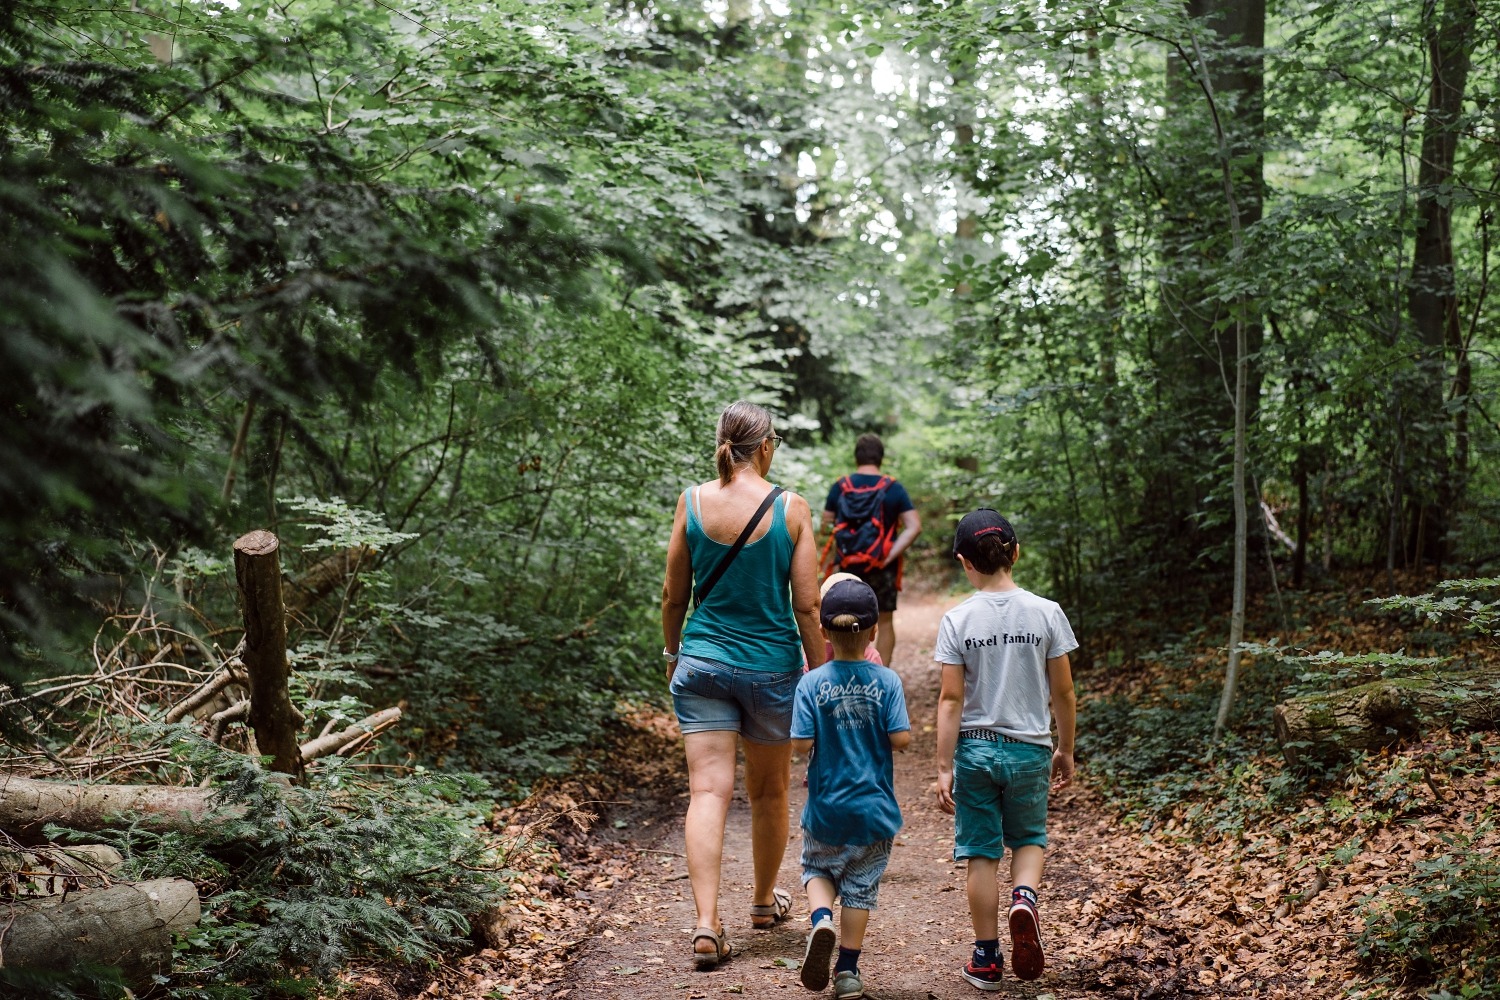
(714, 697)
(854, 870)
(1000, 791)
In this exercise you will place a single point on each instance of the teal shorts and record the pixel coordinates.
(1000, 791)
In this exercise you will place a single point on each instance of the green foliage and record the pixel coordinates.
(83, 982)
(1440, 932)
(341, 526)
(292, 887)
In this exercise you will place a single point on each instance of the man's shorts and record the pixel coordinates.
(854, 870)
(711, 697)
(1000, 791)
(883, 582)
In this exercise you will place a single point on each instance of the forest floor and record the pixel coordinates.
(602, 908)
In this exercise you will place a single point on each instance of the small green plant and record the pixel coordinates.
(296, 882)
(1441, 932)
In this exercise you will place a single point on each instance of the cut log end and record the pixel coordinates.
(257, 543)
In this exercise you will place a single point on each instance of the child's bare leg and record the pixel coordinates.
(1026, 866)
(852, 924)
(821, 941)
(984, 897)
(819, 895)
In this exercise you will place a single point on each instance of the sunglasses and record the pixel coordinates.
(775, 440)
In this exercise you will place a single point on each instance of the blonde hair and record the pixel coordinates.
(742, 428)
(849, 645)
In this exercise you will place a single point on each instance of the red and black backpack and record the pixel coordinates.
(860, 530)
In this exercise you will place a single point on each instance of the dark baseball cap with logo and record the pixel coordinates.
(980, 524)
(850, 597)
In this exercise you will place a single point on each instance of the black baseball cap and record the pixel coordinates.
(850, 597)
(977, 525)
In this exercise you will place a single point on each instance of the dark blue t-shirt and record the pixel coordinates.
(848, 708)
(896, 502)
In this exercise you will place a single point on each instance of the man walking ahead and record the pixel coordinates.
(873, 524)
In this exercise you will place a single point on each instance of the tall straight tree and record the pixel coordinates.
(1432, 294)
(1200, 348)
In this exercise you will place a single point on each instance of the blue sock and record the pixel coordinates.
(820, 913)
(987, 953)
(848, 960)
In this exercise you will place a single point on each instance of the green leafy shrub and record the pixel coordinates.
(298, 881)
(1440, 932)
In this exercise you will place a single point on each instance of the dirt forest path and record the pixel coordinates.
(917, 938)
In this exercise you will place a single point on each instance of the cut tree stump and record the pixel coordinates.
(273, 718)
(1383, 713)
(128, 925)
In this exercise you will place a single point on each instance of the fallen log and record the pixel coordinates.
(1383, 713)
(326, 576)
(347, 739)
(127, 925)
(49, 870)
(206, 692)
(28, 805)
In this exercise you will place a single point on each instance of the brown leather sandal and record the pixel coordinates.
(708, 960)
(764, 916)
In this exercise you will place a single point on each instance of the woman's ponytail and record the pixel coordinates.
(724, 458)
(742, 427)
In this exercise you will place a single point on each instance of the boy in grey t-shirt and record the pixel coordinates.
(1004, 657)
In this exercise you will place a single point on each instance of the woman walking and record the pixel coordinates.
(743, 552)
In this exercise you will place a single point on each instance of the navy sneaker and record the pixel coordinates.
(984, 977)
(1025, 938)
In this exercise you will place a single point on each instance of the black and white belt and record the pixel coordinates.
(987, 734)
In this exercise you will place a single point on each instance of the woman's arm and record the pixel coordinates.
(678, 586)
(805, 599)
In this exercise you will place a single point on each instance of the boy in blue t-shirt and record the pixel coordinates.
(854, 712)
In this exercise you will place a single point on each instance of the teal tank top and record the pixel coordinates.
(747, 620)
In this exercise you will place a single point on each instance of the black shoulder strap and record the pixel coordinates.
(701, 594)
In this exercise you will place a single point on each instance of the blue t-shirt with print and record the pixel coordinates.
(848, 708)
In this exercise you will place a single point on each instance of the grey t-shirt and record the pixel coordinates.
(1003, 639)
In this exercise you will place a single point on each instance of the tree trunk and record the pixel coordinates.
(1221, 59)
(1382, 713)
(1432, 296)
(129, 926)
(1246, 21)
(27, 805)
(273, 718)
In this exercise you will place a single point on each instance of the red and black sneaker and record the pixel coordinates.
(1025, 938)
(984, 977)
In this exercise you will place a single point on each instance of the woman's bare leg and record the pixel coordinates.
(767, 778)
(710, 760)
